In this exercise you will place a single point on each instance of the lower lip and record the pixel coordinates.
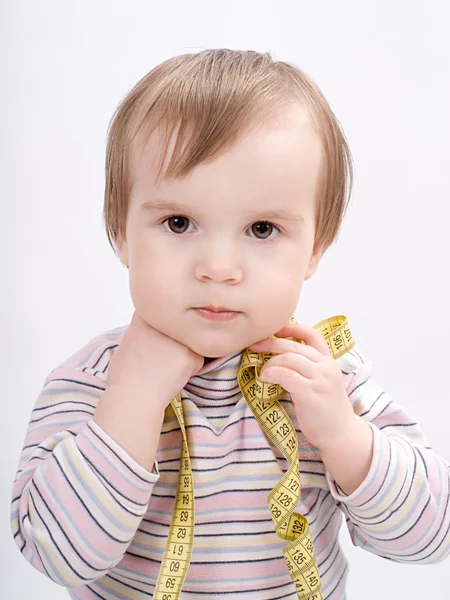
(216, 316)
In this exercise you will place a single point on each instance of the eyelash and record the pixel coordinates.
(259, 239)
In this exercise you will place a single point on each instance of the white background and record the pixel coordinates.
(385, 68)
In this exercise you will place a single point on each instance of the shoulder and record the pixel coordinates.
(352, 360)
(355, 367)
(92, 358)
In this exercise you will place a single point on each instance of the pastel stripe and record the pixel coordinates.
(90, 518)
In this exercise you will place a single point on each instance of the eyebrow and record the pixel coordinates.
(161, 204)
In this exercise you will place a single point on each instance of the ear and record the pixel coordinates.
(314, 262)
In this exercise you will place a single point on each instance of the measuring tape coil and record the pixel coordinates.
(263, 400)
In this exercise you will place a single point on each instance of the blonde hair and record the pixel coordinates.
(207, 100)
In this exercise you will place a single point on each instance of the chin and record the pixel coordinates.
(214, 350)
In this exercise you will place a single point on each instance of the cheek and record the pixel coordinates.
(288, 272)
(284, 293)
(153, 283)
(282, 286)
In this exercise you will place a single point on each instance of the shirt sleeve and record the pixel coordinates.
(401, 511)
(78, 497)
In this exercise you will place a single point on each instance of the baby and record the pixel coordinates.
(227, 178)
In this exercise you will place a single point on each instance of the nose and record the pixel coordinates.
(218, 264)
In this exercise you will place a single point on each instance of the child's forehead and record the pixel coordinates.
(274, 170)
(272, 142)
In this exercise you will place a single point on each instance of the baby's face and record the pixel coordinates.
(239, 233)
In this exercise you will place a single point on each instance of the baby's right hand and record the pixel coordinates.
(151, 364)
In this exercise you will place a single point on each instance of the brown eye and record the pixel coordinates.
(178, 224)
(263, 229)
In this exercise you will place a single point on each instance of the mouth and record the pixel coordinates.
(217, 308)
(217, 313)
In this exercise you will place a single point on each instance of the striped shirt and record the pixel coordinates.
(94, 521)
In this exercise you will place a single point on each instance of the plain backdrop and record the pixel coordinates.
(385, 69)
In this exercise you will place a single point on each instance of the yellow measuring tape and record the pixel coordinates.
(262, 398)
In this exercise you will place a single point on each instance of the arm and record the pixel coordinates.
(348, 458)
(401, 510)
(78, 497)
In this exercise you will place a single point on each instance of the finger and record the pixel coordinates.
(279, 345)
(289, 379)
(308, 334)
(292, 361)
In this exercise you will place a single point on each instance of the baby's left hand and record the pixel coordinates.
(314, 381)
